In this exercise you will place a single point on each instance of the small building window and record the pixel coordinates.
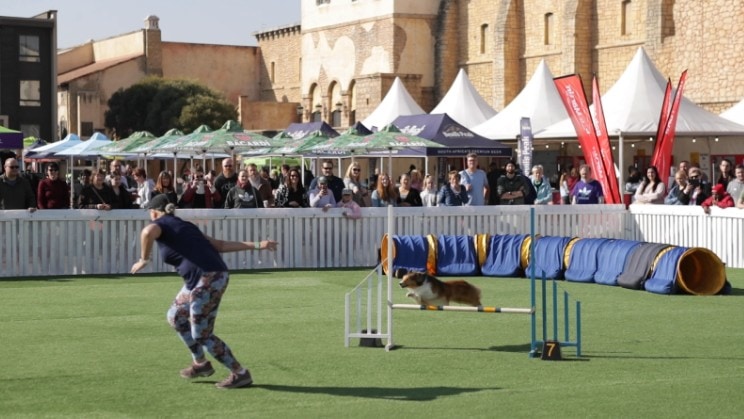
(548, 28)
(272, 76)
(86, 129)
(625, 17)
(30, 93)
(483, 37)
(28, 48)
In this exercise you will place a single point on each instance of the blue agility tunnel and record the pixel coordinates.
(664, 277)
(456, 256)
(638, 265)
(549, 257)
(583, 261)
(413, 253)
(503, 256)
(611, 260)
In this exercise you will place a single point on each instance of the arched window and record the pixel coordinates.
(483, 37)
(548, 35)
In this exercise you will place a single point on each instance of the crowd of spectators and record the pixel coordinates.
(125, 187)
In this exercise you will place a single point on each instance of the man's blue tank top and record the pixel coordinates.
(184, 246)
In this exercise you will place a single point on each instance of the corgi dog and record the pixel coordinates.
(428, 290)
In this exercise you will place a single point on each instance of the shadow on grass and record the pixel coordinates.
(737, 291)
(630, 355)
(388, 393)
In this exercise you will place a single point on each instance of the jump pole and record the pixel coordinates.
(390, 230)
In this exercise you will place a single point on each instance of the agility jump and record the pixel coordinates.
(374, 321)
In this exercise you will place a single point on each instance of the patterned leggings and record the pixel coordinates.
(193, 313)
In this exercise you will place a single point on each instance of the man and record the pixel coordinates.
(587, 190)
(475, 181)
(225, 181)
(736, 186)
(115, 167)
(335, 183)
(512, 187)
(15, 191)
(719, 198)
(262, 185)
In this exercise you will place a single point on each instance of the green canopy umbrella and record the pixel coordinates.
(125, 146)
(148, 147)
(389, 138)
(230, 138)
(175, 144)
(286, 145)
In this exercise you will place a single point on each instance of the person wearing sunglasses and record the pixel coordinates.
(353, 181)
(335, 183)
(15, 191)
(53, 192)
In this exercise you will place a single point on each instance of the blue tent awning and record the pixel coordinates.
(457, 139)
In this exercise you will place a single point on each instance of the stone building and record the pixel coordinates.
(351, 50)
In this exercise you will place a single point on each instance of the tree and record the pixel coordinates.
(157, 105)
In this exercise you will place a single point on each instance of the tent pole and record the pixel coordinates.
(621, 159)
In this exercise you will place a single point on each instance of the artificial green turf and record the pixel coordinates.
(100, 347)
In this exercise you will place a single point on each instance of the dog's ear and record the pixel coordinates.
(400, 273)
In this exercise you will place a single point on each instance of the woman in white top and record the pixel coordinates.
(652, 189)
(563, 188)
(429, 192)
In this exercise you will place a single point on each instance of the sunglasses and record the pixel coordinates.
(327, 168)
(293, 176)
(12, 167)
(355, 170)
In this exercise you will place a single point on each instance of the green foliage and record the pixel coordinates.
(157, 105)
(100, 347)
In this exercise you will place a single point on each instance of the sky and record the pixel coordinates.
(223, 22)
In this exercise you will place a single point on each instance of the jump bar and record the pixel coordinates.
(479, 309)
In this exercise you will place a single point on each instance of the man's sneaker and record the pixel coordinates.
(194, 371)
(236, 380)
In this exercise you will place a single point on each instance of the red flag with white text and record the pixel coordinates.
(612, 196)
(662, 156)
(573, 96)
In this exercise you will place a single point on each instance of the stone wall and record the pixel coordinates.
(280, 49)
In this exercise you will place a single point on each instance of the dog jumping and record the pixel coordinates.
(428, 290)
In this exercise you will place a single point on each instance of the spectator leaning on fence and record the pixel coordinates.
(408, 196)
(699, 186)
(225, 181)
(353, 181)
(122, 198)
(512, 187)
(321, 196)
(719, 198)
(98, 195)
(53, 192)
(15, 191)
(200, 192)
(587, 190)
(652, 189)
(351, 209)
(145, 186)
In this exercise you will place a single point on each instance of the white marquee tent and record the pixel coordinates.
(632, 106)
(397, 102)
(735, 113)
(464, 104)
(538, 100)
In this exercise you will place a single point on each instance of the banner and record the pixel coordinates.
(573, 96)
(612, 196)
(525, 146)
(662, 156)
(666, 106)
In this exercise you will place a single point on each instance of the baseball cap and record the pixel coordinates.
(347, 191)
(323, 179)
(719, 189)
(158, 202)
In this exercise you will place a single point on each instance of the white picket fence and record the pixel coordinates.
(73, 242)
